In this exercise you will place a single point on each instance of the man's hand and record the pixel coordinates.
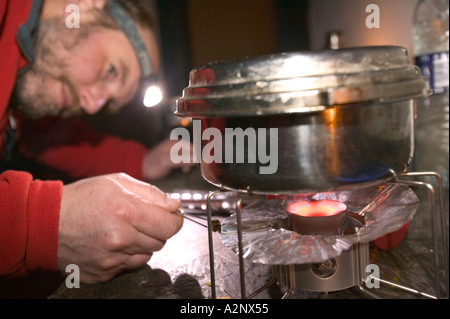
(113, 223)
(157, 163)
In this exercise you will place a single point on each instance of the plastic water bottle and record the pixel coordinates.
(430, 46)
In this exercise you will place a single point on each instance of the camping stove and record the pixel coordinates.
(319, 218)
(342, 272)
(329, 254)
(335, 121)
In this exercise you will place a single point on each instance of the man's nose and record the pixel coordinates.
(93, 98)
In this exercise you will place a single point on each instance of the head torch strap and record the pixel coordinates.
(129, 28)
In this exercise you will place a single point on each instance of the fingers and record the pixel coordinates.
(121, 262)
(153, 221)
(153, 215)
(137, 261)
(113, 222)
(150, 211)
(186, 168)
(140, 243)
(147, 191)
(163, 158)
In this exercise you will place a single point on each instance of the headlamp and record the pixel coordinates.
(150, 93)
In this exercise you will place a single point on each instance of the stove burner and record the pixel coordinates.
(338, 273)
(267, 243)
(324, 270)
(317, 217)
(342, 272)
(316, 262)
(316, 208)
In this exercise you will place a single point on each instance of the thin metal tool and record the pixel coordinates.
(377, 200)
(181, 213)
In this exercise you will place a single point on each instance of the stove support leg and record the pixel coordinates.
(368, 293)
(287, 294)
(240, 248)
(211, 246)
(431, 199)
(407, 289)
(271, 282)
(443, 216)
(210, 242)
(433, 216)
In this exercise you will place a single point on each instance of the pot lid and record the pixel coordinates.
(301, 82)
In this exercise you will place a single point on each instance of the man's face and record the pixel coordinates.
(80, 70)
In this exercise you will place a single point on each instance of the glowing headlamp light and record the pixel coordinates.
(150, 93)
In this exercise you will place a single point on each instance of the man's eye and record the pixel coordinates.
(111, 71)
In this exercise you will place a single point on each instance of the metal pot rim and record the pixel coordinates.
(301, 82)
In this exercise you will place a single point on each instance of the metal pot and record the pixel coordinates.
(342, 117)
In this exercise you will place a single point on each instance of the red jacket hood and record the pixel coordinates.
(13, 13)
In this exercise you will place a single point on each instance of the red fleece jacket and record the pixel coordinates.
(29, 209)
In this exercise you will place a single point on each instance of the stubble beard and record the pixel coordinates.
(52, 56)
